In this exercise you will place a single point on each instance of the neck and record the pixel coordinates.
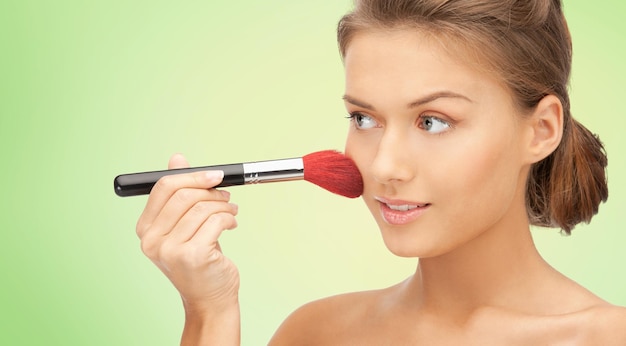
(500, 268)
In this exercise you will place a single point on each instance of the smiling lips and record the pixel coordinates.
(400, 212)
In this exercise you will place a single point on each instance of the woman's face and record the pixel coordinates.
(440, 145)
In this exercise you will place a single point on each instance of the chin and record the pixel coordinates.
(404, 242)
(412, 251)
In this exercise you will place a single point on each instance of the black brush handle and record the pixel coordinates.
(135, 184)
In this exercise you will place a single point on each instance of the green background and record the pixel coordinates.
(92, 89)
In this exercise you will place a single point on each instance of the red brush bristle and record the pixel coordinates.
(334, 172)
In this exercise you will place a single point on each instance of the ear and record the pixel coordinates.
(546, 128)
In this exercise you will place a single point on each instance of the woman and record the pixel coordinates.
(460, 125)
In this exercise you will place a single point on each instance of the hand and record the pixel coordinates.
(179, 230)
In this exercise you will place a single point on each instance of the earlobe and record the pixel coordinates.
(546, 124)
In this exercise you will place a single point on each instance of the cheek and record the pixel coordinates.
(485, 175)
(361, 150)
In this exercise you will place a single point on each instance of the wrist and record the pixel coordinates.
(218, 326)
(205, 308)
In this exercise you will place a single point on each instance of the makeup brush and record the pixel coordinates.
(328, 169)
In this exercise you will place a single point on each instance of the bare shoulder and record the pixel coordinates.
(326, 320)
(607, 324)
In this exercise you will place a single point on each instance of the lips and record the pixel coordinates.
(397, 212)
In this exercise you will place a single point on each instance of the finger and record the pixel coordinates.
(175, 207)
(193, 220)
(177, 161)
(213, 227)
(166, 187)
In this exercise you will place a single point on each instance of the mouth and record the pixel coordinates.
(396, 212)
(405, 207)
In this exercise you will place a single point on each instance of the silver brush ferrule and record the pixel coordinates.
(272, 171)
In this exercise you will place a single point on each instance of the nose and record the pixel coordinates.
(394, 159)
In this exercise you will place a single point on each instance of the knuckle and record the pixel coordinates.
(141, 228)
(165, 183)
(149, 247)
(222, 220)
(199, 178)
(200, 208)
(167, 251)
(216, 219)
(184, 196)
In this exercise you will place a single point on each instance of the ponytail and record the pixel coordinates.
(568, 186)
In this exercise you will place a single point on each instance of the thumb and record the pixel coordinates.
(177, 161)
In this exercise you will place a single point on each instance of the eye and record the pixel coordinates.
(362, 121)
(433, 124)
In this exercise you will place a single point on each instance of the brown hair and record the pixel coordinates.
(527, 44)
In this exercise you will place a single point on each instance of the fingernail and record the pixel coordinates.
(225, 193)
(214, 175)
(235, 207)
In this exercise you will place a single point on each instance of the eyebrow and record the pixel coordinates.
(419, 102)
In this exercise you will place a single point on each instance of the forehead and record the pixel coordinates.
(409, 61)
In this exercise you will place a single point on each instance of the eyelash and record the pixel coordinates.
(352, 117)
